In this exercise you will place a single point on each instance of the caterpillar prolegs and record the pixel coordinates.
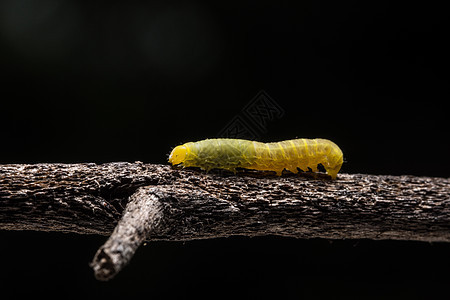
(230, 154)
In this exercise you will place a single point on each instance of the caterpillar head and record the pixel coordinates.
(178, 155)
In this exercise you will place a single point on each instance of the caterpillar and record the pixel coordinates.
(230, 154)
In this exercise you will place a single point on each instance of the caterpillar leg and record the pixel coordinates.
(279, 172)
(333, 172)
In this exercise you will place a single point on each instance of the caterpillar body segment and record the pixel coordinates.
(230, 154)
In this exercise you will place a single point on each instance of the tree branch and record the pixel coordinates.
(161, 203)
(141, 218)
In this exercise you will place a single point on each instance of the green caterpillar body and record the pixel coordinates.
(230, 154)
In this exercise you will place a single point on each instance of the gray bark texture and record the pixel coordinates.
(137, 202)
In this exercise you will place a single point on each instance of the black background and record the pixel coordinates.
(101, 81)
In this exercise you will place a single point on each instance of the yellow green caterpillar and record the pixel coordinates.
(230, 154)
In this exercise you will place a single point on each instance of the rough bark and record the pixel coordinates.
(163, 203)
(142, 217)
